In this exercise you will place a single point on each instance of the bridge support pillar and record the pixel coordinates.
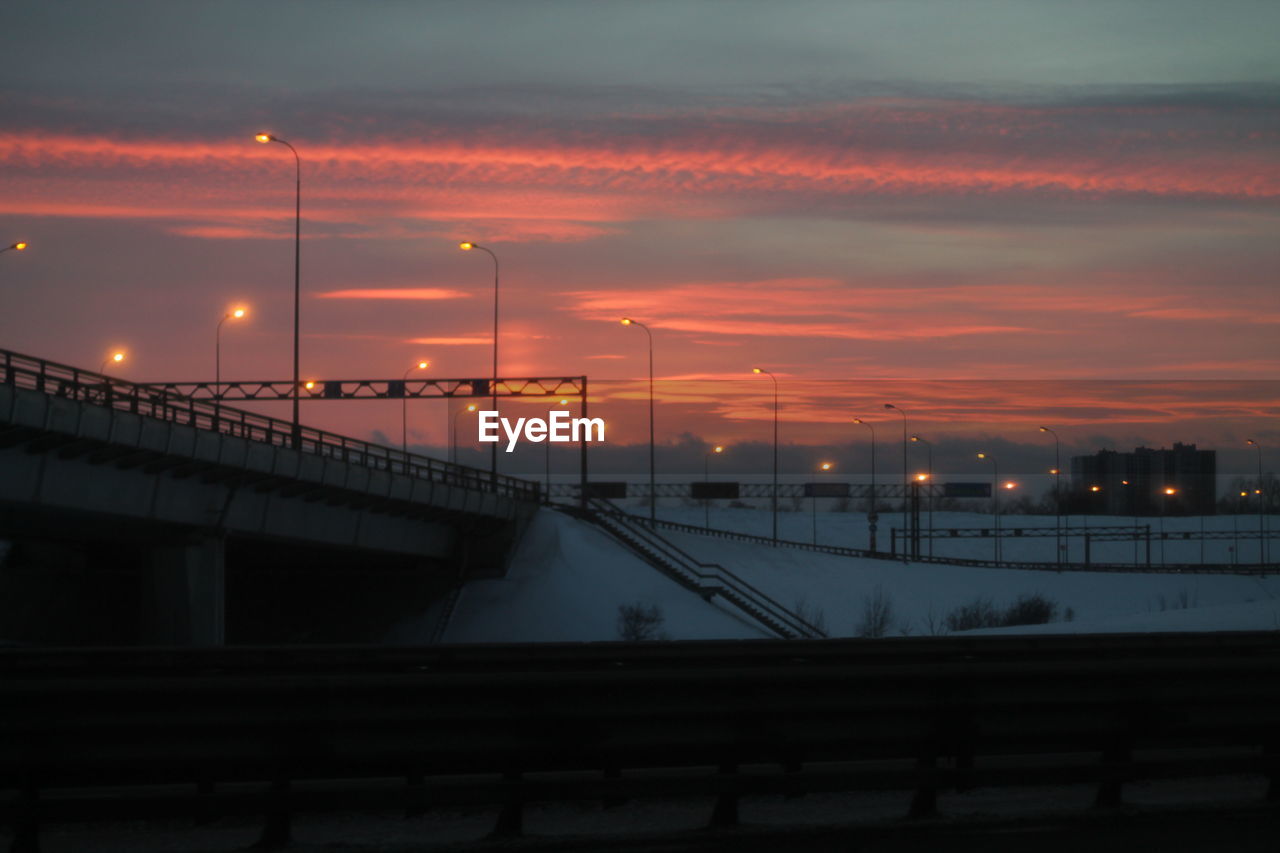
(184, 594)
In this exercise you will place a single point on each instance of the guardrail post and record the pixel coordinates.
(276, 832)
(924, 802)
(510, 822)
(26, 824)
(725, 812)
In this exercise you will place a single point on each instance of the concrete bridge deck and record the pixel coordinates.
(87, 456)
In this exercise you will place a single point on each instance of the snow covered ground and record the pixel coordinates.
(568, 578)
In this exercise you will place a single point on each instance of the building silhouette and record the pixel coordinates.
(1147, 481)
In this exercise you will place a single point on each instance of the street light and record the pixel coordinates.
(404, 405)
(20, 246)
(1263, 544)
(872, 515)
(114, 358)
(927, 478)
(905, 480)
(995, 499)
(266, 138)
(234, 314)
(467, 246)
(825, 466)
(759, 370)
(1057, 491)
(706, 478)
(653, 512)
(453, 456)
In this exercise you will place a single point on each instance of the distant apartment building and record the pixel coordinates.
(1148, 481)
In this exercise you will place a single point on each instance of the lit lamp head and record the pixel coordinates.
(19, 246)
(309, 385)
(1251, 442)
(718, 449)
(1011, 485)
(921, 477)
(1044, 429)
(471, 408)
(859, 421)
(825, 466)
(264, 138)
(626, 321)
(466, 245)
(982, 456)
(117, 357)
(564, 402)
(423, 365)
(757, 370)
(1170, 491)
(1054, 471)
(1095, 488)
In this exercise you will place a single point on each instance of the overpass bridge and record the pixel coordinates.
(171, 484)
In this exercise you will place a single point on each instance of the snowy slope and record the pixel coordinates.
(568, 578)
(566, 582)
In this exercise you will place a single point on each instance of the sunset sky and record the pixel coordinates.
(923, 191)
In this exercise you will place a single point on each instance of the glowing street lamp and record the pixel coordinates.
(266, 138)
(113, 359)
(404, 405)
(924, 478)
(1263, 545)
(468, 246)
(233, 314)
(905, 480)
(872, 515)
(19, 246)
(1056, 471)
(471, 407)
(627, 321)
(761, 370)
(706, 478)
(825, 466)
(995, 499)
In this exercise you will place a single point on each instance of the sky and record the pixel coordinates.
(976, 192)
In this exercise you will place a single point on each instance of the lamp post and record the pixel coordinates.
(563, 402)
(1057, 491)
(114, 358)
(775, 447)
(467, 246)
(1169, 493)
(1263, 545)
(905, 480)
(825, 466)
(234, 314)
(404, 405)
(995, 501)
(872, 515)
(706, 478)
(453, 456)
(19, 246)
(653, 511)
(927, 480)
(266, 138)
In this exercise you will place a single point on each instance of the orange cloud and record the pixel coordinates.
(425, 293)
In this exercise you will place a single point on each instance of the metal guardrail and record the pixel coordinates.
(60, 380)
(707, 578)
(122, 734)
(1167, 568)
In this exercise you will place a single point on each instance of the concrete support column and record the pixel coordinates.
(184, 594)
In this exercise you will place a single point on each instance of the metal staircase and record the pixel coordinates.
(706, 579)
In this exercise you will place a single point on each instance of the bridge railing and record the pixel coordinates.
(61, 380)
